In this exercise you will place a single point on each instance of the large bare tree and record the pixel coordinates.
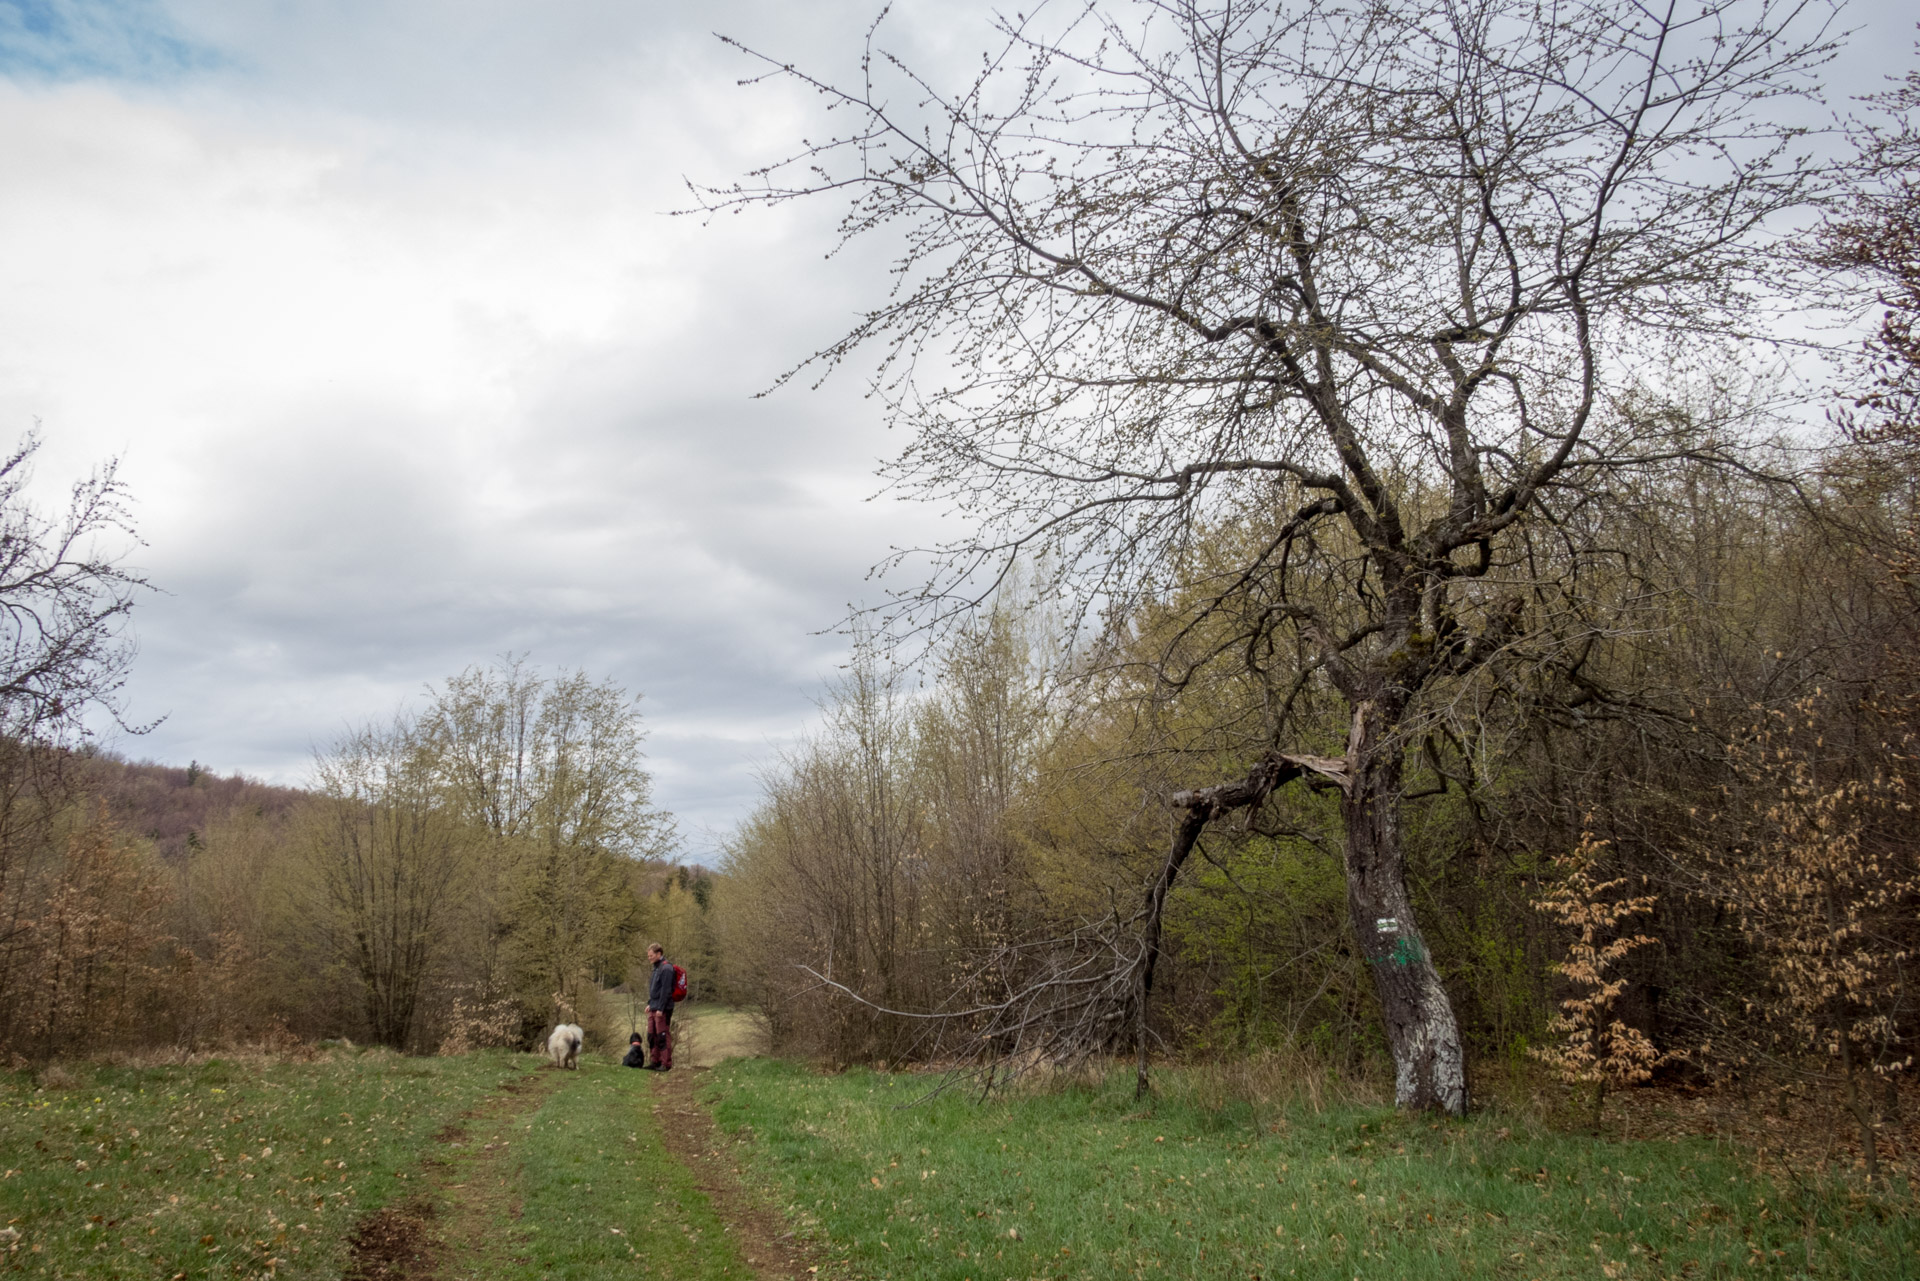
(1388, 278)
(385, 857)
(66, 595)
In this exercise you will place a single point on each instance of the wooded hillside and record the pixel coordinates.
(463, 877)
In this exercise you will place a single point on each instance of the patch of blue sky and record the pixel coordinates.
(63, 40)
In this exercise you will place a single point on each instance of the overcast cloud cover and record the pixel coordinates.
(377, 304)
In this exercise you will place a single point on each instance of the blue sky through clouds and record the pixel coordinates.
(68, 39)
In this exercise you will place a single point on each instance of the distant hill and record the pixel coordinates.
(169, 805)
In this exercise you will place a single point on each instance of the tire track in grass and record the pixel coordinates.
(579, 1174)
(604, 1195)
(470, 1193)
(761, 1233)
(570, 1175)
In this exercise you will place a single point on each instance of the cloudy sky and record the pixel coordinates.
(406, 366)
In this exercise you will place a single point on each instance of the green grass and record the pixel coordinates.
(1083, 1183)
(240, 1168)
(590, 1163)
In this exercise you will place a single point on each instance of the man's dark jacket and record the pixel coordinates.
(660, 990)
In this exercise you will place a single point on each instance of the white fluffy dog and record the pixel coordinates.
(563, 1047)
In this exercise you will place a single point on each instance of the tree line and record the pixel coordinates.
(1464, 628)
(460, 876)
(1738, 799)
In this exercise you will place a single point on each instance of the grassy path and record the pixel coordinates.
(372, 1166)
(582, 1174)
(465, 1193)
(756, 1229)
(570, 1180)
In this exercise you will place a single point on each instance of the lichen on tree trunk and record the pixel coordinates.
(1429, 1066)
(1422, 1033)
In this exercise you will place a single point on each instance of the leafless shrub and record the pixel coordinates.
(479, 1022)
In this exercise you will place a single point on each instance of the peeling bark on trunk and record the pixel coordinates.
(1429, 1067)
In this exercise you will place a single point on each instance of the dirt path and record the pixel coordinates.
(764, 1237)
(464, 1224)
(470, 1197)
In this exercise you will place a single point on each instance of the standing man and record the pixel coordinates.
(660, 1010)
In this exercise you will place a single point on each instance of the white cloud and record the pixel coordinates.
(408, 369)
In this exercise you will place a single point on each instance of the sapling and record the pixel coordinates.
(1595, 1048)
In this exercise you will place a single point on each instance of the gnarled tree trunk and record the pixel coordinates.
(1429, 1066)
(1429, 1063)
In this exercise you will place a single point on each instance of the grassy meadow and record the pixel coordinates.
(249, 1167)
(254, 1167)
(707, 1034)
(239, 1167)
(1084, 1183)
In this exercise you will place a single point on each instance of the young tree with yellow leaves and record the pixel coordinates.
(1596, 1048)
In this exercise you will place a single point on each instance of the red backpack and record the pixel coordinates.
(679, 985)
